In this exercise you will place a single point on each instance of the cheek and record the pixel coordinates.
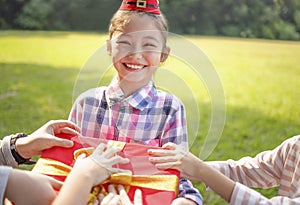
(118, 54)
(154, 58)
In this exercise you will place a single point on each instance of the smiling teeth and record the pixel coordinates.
(135, 67)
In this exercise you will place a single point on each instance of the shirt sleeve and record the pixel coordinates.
(83, 111)
(176, 132)
(246, 196)
(262, 171)
(4, 173)
(265, 169)
(76, 112)
(6, 157)
(187, 191)
(175, 129)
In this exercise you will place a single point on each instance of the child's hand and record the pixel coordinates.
(106, 156)
(100, 163)
(120, 197)
(173, 156)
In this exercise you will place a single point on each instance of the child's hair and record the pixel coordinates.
(122, 18)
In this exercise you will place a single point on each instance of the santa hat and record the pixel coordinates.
(150, 6)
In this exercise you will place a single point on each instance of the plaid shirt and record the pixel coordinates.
(148, 116)
(276, 168)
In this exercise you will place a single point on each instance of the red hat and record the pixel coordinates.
(150, 6)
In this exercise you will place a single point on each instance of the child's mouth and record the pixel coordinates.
(133, 66)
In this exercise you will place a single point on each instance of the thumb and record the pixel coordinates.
(170, 146)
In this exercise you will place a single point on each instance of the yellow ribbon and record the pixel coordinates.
(116, 144)
(158, 182)
(51, 167)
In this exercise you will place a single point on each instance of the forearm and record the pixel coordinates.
(218, 182)
(74, 186)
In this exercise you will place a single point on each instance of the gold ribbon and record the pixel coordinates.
(51, 167)
(116, 144)
(158, 182)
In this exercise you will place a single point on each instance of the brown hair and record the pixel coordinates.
(122, 18)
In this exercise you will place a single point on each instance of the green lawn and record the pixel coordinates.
(260, 79)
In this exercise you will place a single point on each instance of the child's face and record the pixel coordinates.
(137, 50)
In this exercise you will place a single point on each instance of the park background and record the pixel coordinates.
(253, 45)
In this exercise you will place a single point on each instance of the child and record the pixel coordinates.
(130, 109)
(279, 167)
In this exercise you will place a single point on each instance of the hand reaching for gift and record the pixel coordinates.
(175, 157)
(44, 138)
(88, 172)
(120, 197)
(100, 163)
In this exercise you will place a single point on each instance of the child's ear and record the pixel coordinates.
(108, 46)
(165, 54)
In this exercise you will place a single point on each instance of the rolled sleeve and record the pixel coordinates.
(187, 191)
(244, 195)
(6, 157)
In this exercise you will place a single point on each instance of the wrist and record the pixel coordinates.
(198, 170)
(20, 159)
(89, 171)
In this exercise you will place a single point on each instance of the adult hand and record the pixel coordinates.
(192, 168)
(175, 157)
(44, 138)
(24, 187)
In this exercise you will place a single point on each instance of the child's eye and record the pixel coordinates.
(123, 43)
(150, 45)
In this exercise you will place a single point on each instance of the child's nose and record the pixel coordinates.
(136, 53)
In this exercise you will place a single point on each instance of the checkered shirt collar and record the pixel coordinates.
(139, 100)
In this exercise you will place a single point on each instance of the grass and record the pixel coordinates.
(260, 79)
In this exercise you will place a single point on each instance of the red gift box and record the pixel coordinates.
(157, 186)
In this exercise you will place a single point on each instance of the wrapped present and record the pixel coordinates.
(157, 186)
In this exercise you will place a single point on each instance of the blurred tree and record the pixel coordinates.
(273, 19)
(82, 14)
(34, 15)
(9, 10)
